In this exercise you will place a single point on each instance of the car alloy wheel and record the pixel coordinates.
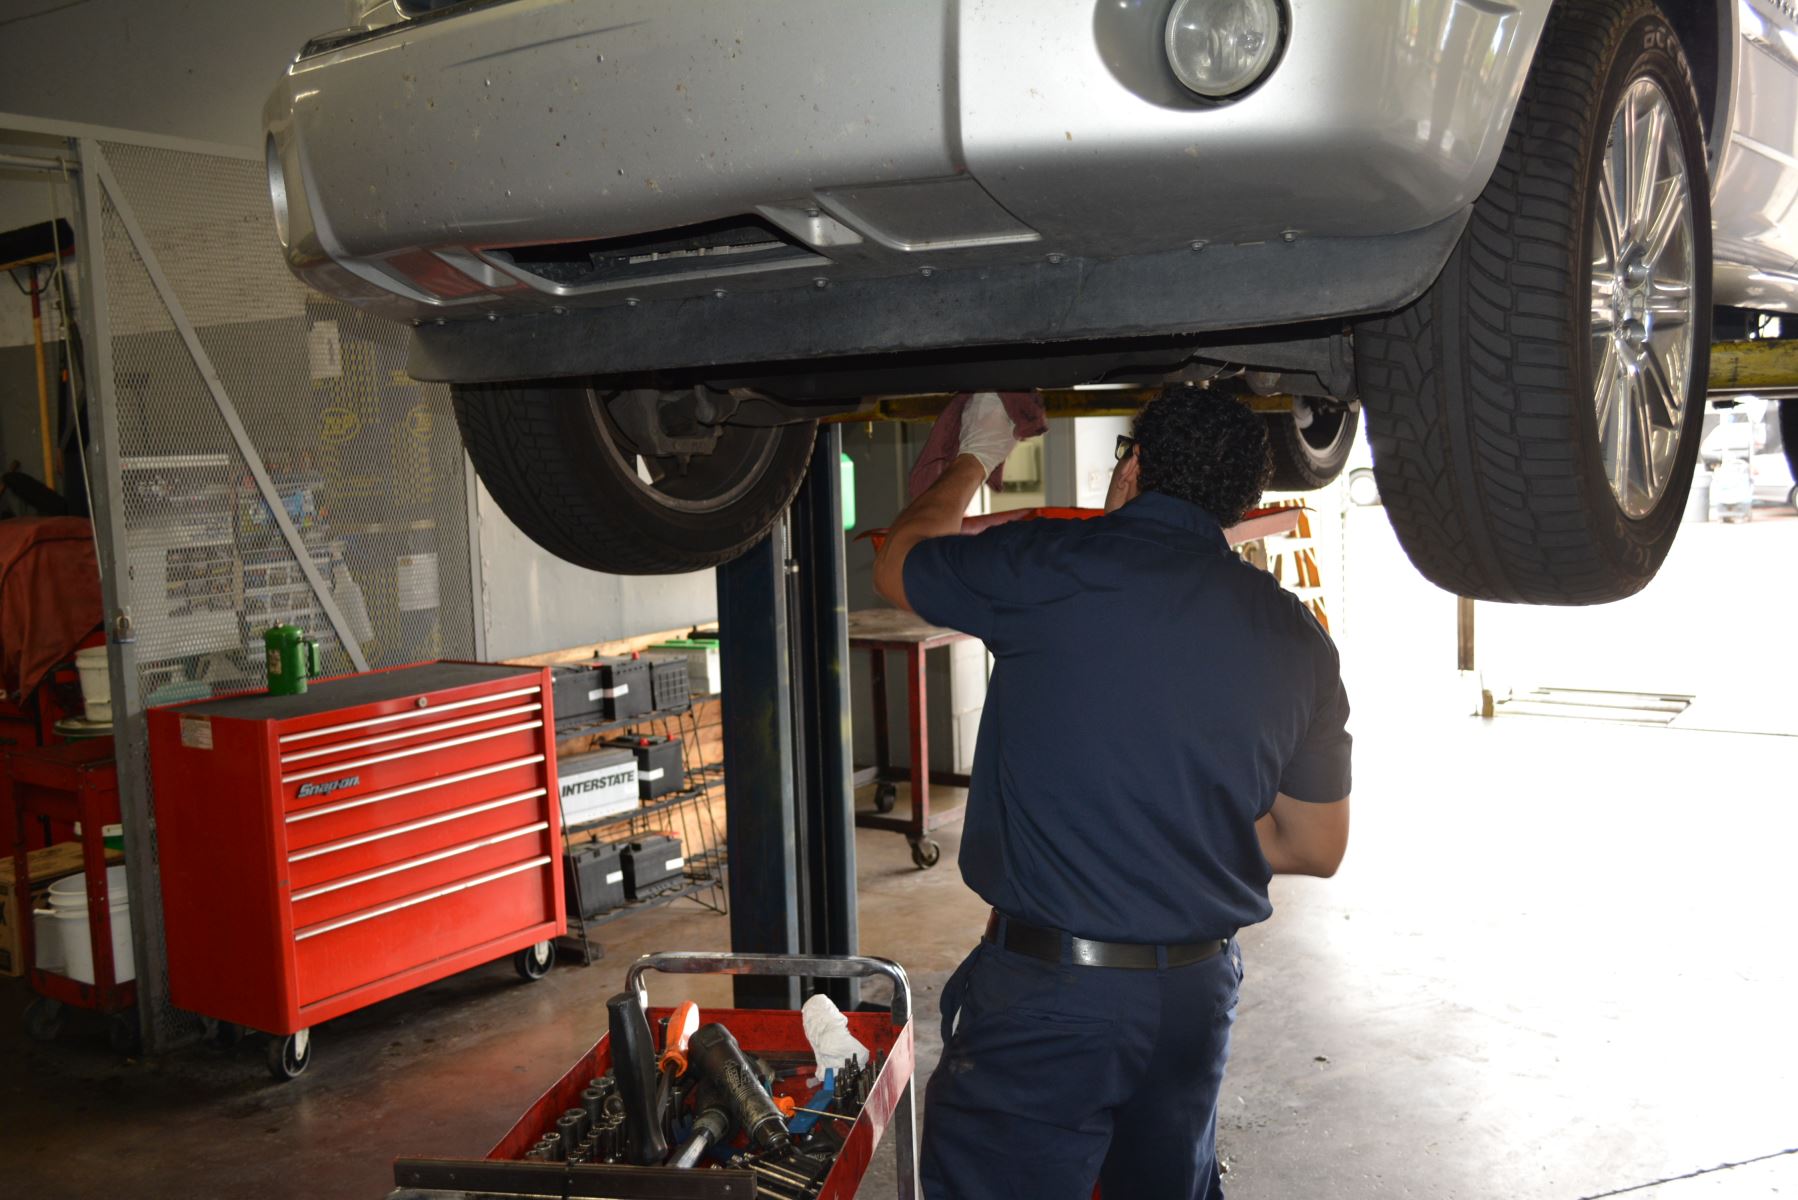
(1641, 287)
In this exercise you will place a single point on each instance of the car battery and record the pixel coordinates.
(705, 675)
(593, 878)
(668, 680)
(597, 785)
(658, 764)
(650, 862)
(623, 687)
(577, 692)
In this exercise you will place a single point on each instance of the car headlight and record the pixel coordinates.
(1218, 48)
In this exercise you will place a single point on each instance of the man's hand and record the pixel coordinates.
(987, 431)
(1304, 839)
(987, 439)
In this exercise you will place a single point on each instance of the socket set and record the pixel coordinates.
(790, 1130)
(672, 1104)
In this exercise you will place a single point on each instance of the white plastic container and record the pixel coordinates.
(68, 901)
(96, 682)
(47, 941)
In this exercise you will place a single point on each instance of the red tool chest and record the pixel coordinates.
(324, 851)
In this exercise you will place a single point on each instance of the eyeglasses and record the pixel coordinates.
(1126, 443)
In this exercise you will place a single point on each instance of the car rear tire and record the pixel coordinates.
(1503, 479)
(1309, 458)
(561, 467)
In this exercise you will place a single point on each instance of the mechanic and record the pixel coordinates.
(1164, 731)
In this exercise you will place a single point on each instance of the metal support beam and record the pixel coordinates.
(783, 618)
(130, 737)
(1464, 658)
(759, 762)
(96, 165)
(821, 678)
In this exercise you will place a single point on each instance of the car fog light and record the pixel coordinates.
(1221, 47)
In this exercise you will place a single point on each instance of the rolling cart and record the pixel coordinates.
(77, 783)
(504, 1173)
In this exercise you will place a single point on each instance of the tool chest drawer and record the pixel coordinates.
(323, 851)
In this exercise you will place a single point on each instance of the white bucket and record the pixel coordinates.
(46, 933)
(68, 901)
(96, 682)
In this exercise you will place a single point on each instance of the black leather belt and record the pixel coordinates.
(1039, 941)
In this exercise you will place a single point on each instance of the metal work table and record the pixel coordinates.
(879, 630)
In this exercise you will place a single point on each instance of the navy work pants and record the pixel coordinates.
(1055, 1076)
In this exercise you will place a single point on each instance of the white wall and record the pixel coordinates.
(532, 602)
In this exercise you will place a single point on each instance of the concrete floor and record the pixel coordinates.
(1558, 963)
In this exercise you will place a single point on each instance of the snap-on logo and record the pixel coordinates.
(325, 789)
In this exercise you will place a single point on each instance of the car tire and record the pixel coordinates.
(1309, 458)
(1481, 396)
(563, 471)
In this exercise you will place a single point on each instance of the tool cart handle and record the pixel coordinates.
(699, 962)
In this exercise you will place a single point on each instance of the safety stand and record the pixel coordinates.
(783, 629)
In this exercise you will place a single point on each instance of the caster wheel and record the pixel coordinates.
(222, 1034)
(125, 1034)
(885, 797)
(288, 1057)
(43, 1019)
(926, 854)
(533, 962)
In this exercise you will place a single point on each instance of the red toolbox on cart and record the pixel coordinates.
(889, 1107)
(378, 832)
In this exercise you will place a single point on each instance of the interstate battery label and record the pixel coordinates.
(604, 779)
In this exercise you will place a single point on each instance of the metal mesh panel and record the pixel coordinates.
(366, 462)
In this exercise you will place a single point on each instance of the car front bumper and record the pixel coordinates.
(876, 140)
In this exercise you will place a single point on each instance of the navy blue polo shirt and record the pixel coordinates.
(1151, 694)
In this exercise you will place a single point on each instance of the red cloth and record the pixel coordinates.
(943, 445)
(49, 596)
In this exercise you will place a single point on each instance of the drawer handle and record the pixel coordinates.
(355, 764)
(456, 814)
(378, 739)
(411, 714)
(463, 885)
(325, 810)
(407, 864)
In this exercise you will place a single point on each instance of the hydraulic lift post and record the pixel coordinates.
(783, 624)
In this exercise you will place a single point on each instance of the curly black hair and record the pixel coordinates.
(1205, 447)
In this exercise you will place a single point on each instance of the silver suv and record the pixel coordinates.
(650, 243)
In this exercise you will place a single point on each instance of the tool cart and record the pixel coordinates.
(372, 834)
(828, 1135)
(73, 784)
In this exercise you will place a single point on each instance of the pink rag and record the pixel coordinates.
(943, 446)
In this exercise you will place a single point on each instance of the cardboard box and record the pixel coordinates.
(46, 867)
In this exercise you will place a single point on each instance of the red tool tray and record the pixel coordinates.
(890, 1102)
(323, 851)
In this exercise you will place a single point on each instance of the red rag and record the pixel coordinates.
(943, 446)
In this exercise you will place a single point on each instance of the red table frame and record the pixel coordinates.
(74, 782)
(880, 631)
